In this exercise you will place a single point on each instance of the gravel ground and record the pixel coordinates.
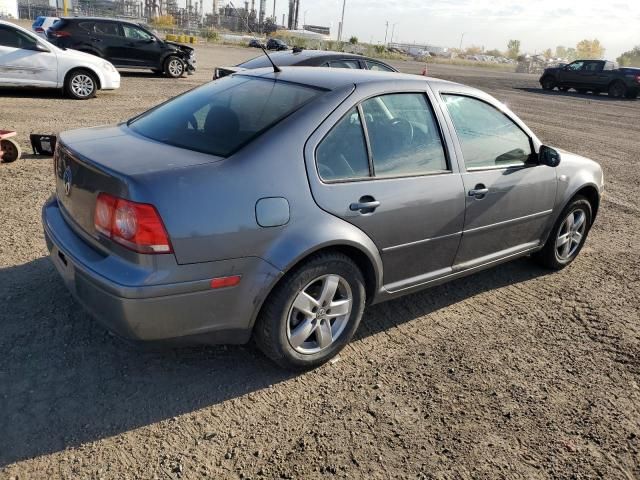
(512, 373)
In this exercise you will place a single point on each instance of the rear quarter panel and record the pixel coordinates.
(209, 209)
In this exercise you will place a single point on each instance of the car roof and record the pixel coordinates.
(293, 57)
(102, 19)
(337, 78)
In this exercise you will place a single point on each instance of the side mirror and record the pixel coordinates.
(39, 47)
(548, 156)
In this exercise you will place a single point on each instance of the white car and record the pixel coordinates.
(29, 61)
(41, 24)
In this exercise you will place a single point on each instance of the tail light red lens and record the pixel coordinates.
(638, 78)
(39, 29)
(136, 226)
(59, 33)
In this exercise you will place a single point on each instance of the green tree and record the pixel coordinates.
(513, 48)
(571, 54)
(630, 58)
(494, 53)
(548, 53)
(353, 40)
(561, 52)
(590, 49)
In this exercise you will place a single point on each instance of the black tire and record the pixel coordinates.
(81, 85)
(10, 150)
(548, 83)
(617, 89)
(174, 67)
(549, 256)
(273, 324)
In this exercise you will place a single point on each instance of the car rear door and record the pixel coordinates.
(109, 38)
(22, 63)
(382, 163)
(509, 196)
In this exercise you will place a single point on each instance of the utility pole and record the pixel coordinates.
(393, 30)
(385, 32)
(341, 27)
(461, 40)
(275, 20)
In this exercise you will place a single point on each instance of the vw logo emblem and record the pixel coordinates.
(67, 180)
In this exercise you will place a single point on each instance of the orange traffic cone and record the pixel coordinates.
(425, 70)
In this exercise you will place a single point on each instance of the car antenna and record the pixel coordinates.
(276, 69)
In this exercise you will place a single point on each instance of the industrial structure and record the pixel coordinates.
(9, 8)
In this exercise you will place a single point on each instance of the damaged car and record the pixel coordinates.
(124, 44)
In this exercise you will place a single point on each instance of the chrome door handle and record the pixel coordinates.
(364, 205)
(478, 191)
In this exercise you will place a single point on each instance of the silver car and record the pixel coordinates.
(277, 205)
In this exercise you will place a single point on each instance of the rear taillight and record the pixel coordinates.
(136, 226)
(39, 29)
(58, 33)
(637, 78)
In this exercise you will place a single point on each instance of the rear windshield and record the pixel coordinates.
(222, 116)
(39, 21)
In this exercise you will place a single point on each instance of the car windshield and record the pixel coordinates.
(222, 116)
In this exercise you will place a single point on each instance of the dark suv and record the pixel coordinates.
(276, 44)
(125, 44)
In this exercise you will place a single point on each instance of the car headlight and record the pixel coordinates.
(108, 67)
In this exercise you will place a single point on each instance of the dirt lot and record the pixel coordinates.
(511, 373)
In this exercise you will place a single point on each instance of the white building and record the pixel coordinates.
(9, 8)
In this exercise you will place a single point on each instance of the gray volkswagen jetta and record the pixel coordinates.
(277, 205)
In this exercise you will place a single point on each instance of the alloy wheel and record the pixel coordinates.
(175, 67)
(319, 314)
(82, 85)
(571, 234)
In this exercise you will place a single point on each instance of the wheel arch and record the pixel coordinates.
(86, 69)
(370, 267)
(590, 192)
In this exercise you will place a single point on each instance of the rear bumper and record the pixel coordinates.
(180, 312)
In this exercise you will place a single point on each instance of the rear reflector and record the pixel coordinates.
(223, 282)
(58, 33)
(136, 226)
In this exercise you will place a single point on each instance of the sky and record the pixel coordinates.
(538, 24)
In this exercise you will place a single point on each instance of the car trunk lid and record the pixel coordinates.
(110, 160)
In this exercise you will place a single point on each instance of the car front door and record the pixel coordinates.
(142, 48)
(383, 165)
(24, 61)
(509, 196)
(571, 74)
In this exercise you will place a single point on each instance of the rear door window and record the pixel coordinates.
(107, 28)
(342, 155)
